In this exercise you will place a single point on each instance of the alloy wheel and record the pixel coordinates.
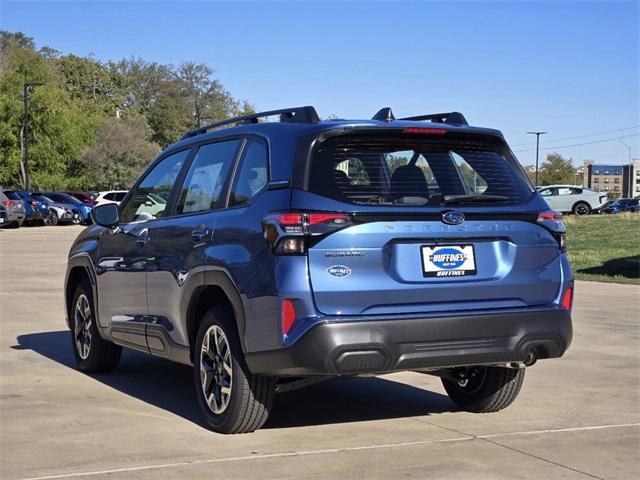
(216, 372)
(582, 209)
(83, 326)
(52, 219)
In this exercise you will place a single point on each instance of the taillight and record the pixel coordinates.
(9, 203)
(567, 299)
(425, 131)
(288, 233)
(288, 316)
(552, 221)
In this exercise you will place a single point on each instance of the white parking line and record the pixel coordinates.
(560, 430)
(319, 452)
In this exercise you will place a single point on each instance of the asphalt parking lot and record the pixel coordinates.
(577, 417)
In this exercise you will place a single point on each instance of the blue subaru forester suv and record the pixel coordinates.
(273, 254)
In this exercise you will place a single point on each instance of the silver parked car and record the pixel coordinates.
(59, 212)
(15, 211)
(573, 199)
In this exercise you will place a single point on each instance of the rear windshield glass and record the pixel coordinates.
(13, 195)
(401, 171)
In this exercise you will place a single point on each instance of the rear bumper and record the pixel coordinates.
(356, 347)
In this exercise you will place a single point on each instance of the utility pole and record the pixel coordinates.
(630, 192)
(25, 132)
(537, 134)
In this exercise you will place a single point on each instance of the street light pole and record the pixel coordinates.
(25, 132)
(630, 192)
(537, 134)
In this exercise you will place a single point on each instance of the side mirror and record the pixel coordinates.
(106, 215)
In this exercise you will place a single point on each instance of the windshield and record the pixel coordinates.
(418, 172)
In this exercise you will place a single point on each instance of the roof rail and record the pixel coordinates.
(454, 118)
(305, 114)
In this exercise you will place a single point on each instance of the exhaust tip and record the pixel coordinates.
(531, 359)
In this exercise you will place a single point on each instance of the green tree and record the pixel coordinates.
(90, 83)
(121, 151)
(84, 98)
(59, 126)
(556, 170)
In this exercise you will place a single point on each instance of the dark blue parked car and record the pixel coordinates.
(270, 255)
(36, 212)
(623, 205)
(70, 200)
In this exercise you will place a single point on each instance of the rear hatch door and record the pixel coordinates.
(437, 224)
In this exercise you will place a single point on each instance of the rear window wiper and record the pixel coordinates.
(448, 199)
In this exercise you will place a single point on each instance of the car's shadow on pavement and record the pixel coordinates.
(169, 386)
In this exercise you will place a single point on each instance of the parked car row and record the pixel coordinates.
(21, 207)
(583, 201)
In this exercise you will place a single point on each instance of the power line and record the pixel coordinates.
(580, 144)
(580, 136)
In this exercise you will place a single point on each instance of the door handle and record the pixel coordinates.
(143, 237)
(199, 233)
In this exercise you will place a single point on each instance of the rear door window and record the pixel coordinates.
(252, 176)
(414, 172)
(204, 185)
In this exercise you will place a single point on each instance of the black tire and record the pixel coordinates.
(52, 219)
(491, 388)
(250, 397)
(581, 208)
(100, 355)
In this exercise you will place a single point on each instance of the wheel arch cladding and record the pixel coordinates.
(204, 298)
(76, 274)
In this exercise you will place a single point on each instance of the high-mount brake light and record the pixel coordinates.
(288, 233)
(425, 131)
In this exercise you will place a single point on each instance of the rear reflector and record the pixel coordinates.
(425, 131)
(567, 299)
(288, 316)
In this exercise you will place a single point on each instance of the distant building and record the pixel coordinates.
(619, 181)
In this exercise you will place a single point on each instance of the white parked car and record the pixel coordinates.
(573, 199)
(110, 196)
